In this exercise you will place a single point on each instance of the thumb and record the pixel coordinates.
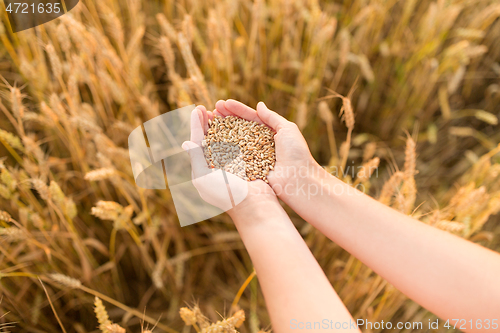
(270, 118)
(198, 161)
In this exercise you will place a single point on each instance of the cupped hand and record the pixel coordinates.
(217, 187)
(293, 158)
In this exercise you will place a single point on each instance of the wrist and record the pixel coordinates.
(256, 209)
(300, 179)
(253, 204)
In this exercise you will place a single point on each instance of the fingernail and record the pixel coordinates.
(185, 146)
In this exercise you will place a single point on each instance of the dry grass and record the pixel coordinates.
(76, 87)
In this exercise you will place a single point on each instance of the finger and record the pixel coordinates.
(198, 161)
(270, 118)
(241, 110)
(205, 118)
(221, 108)
(197, 133)
(217, 113)
(210, 115)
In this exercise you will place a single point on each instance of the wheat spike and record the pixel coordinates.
(11, 139)
(369, 151)
(4, 216)
(16, 98)
(367, 170)
(63, 37)
(107, 210)
(99, 174)
(167, 27)
(301, 116)
(410, 158)
(115, 328)
(102, 315)
(237, 319)
(66, 280)
(451, 226)
(200, 318)
(41, 188)
(55, 62)
(409, 192)
(324, 112)
(12, 234)
(188, 316)
(390, 187)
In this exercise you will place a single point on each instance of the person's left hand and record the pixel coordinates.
(219, 188)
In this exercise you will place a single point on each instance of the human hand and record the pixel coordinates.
(217, 187)
(293, 158)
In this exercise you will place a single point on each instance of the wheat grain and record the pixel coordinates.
(242, 147)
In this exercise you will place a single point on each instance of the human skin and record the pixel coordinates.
(295, 288)
(449, 276)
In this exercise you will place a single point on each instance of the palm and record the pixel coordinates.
(292, 152)
(221, 189)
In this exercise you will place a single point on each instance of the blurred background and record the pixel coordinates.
(421, 78)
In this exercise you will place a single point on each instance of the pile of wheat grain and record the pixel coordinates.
(242, 147)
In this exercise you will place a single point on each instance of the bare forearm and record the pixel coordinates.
(450, 276)
(294, 285)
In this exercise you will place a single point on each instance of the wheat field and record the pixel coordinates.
(83, 249)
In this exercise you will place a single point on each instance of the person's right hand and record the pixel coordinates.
(293, 158)
(222, 189)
